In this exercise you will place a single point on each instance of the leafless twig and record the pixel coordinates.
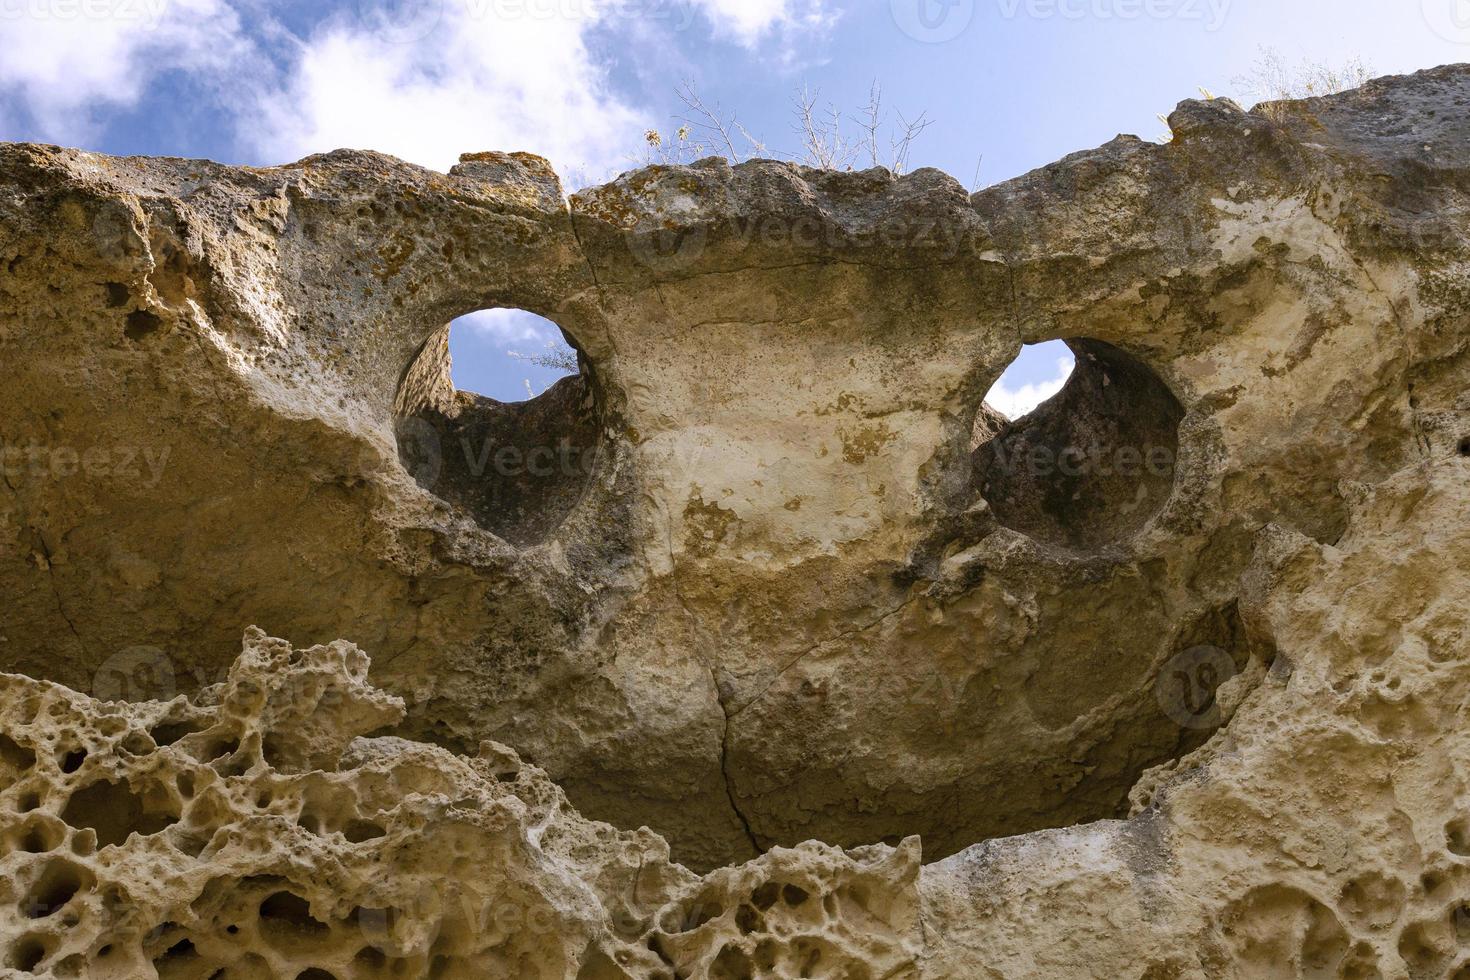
(1272, 79)
(824, 141)
(558, 357)
(903, 140)
(710, 119)
(871, 121)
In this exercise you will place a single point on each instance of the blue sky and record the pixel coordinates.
(1009, 84)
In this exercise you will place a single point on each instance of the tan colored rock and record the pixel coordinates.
(255, 833)
(1167, 676)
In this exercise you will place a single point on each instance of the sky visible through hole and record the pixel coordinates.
(484, 346)
(1036, 375)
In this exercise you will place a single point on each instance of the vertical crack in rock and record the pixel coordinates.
(1421, 439)
(39, 539)
(609, 335)
(725, 767)
(726, 776)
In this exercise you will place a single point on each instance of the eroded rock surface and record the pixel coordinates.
(767, 571)
(252, 833)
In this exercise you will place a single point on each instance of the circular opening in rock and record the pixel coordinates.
(509, 355)
(1037, 374)
(1090, 465)
(498, 414)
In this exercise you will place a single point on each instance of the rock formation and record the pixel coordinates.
(1165, 680)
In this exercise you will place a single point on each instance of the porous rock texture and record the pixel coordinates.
(1166, 679)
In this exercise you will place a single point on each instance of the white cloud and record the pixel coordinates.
(64, 61)
(748, 21)
(483, 76)
(509, 327)
(1013, 399)
(422, 79)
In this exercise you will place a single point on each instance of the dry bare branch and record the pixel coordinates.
(558, 357)
(821, 130)
(710, 119)
(903, 141)
(1272, 79)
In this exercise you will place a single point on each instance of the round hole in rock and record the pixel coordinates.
(39, 837)
(1037, 374)
(26, 953)
(15, 761)
(499, 414)
(115, 811)
(57, 884)
(286, 914)
(1089, 466)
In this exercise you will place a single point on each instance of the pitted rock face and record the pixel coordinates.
(170, 840)
(767, 570)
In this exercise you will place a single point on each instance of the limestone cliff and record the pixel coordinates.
(1165, 680)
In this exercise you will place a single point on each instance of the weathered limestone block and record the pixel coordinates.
(1320, 834)
(1165, 679)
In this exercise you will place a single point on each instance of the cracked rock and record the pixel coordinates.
(761, 646)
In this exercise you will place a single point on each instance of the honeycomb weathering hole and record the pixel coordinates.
(115, 811)
(1089, 467)
(518, 468)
